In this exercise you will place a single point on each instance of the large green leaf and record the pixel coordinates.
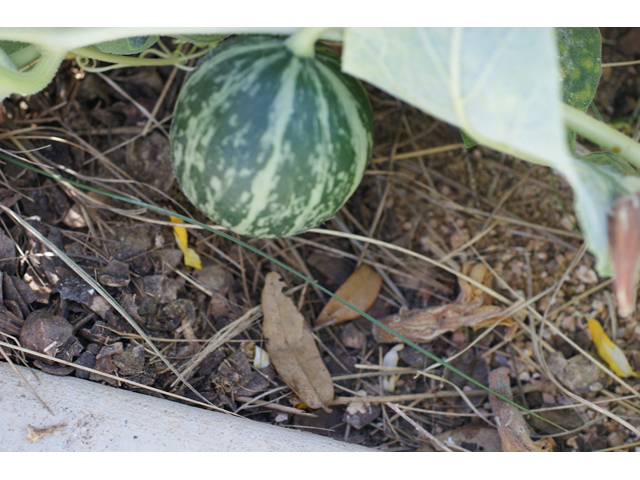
(201, 40)
(500, 85)
(580, 65)
(126, 46)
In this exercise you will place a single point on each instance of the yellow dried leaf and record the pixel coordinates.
(360, 290)
(190, 257)
(609, 351)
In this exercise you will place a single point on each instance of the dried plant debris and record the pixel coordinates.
(513, 430)
(114, 274)
(360, 414)
(292, 348)
(17, 293)
(8, 254)
(361, 290)
(45, 333)
(470, 309)
(35, 434)
(475, 438)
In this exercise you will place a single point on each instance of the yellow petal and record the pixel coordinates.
(190, 257)
(609, 351)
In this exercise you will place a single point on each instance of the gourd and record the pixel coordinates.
(269, 143)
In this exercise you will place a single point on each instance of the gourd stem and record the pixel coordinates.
(303, 42)
(602, 134)
(34, 80)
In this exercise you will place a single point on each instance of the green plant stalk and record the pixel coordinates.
(282, 265)
(127, 60)
(303, 42)
(34, 80)
(56, 42)
(25, 56)
(67, 39)
(602, 134)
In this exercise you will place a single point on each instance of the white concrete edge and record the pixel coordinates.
(99, 418)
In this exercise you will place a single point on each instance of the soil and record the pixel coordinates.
(452, 205)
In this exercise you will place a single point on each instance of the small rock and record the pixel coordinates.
(578, 374)
(281, 417)
(352, 337)
(615, 439)
(586, 274)
(216, 279)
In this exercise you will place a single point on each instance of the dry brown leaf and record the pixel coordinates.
(513, 430)
(291, 347)
(470, 309)
(360, 290)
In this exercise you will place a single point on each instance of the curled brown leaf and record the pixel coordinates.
(513, 430)
(292, 348)
(470, 309)
(361, 290)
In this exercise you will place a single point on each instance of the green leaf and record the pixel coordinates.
(580, 65)
(468, 141)
(500, 85)
(201, 40)
(611, 161)
(126, 46)
(10, 47)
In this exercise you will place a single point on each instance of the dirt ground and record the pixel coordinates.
(423, 191)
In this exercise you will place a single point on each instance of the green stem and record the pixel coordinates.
(34, 80)
(67, 39)
(303, 42)
(25, 56)
(127, 60)
(601, 134)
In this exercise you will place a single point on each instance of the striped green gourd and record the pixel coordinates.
(268, 143)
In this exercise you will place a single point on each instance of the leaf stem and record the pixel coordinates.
(605, 136)
(303, 42)
(34, 80)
